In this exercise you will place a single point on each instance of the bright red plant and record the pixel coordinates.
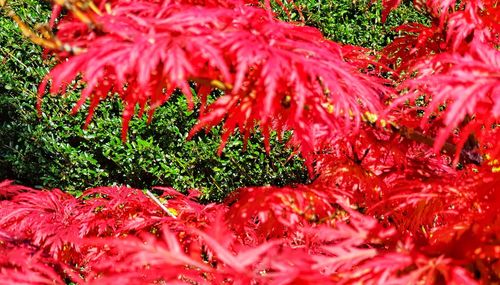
(387, 205)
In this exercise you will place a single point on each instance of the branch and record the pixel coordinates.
(46, 39)
(159, 203)
(468, 154)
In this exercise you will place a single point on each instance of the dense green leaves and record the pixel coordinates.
(54, 150)
(355, 22)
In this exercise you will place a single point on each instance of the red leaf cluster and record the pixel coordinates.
(383, 134)
(454, 65)
(416, 232)
(275, 75)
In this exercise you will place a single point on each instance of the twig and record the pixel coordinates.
(46, 39)
(468, 154)
(153, 197)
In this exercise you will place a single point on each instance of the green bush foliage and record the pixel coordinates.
(354, 22)
(54, 151)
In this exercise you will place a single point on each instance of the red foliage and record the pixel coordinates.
(276, 75)
(387, 204)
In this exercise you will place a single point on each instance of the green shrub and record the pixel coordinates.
(54, 150)
(353, 22)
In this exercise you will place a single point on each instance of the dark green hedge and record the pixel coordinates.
(355, 22)
(54, 151)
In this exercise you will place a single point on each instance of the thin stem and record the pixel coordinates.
(159, 203)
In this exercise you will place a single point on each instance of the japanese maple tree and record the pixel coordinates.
(401, 145)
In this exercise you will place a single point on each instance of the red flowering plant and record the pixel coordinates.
(401, 144)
